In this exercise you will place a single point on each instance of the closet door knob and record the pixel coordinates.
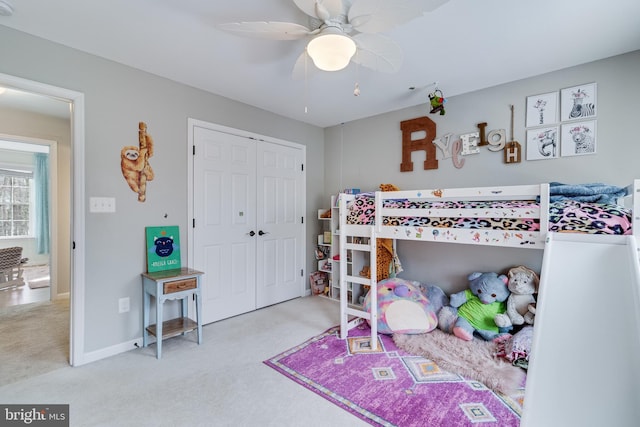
(262, 233)
(251, 233)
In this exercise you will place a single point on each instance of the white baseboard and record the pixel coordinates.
(110, 351)
(64, 295)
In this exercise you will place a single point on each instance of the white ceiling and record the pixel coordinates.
(464, 45)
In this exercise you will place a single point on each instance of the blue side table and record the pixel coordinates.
(171, 285)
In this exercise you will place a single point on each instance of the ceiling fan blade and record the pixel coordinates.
(377, 52)
(375, 16)
(321, 9)
(266, 30)
(431, 5)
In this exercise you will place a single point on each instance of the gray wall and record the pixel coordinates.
(366, 153)
(116, 99)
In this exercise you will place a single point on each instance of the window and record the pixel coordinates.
(15, 203)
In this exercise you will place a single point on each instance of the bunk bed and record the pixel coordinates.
(540, 217)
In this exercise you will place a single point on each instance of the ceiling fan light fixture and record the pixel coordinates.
(331, 52)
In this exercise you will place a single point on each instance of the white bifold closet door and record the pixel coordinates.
(248, 199)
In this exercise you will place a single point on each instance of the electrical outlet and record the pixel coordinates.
(123, 305)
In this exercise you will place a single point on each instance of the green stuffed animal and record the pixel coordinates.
(437, 102)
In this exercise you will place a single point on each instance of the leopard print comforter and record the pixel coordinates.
(565, 216)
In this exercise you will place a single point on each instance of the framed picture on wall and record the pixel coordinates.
(543, 143)
(163, 248)
(578, 102)
(542, 109)
(578, 138)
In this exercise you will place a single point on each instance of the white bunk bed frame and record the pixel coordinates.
(350, 315)
(622, 268)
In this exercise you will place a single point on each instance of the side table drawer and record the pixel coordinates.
(180, 285)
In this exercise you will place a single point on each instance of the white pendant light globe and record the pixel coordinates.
(332, 50)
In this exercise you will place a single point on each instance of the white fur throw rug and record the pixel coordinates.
(472, 359)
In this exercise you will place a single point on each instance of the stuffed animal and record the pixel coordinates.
(523, 283)
(403, 308)
(474, 309)
(387, 261)
(388, 187)
(436, 296)
(437, 102)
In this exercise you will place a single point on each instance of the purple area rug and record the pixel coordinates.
(390, 387)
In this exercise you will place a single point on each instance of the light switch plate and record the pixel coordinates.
(102, 204)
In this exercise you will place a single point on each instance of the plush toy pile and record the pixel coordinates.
(492, 306)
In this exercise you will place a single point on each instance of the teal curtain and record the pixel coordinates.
(41, 182)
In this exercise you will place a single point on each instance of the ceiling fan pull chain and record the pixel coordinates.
(306, 82)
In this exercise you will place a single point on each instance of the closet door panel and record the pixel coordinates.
(280, 250)
(248, 206)
(225, 215)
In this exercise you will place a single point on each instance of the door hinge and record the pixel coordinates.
(194, 223)
(194, 150)
(302, 219)
(301, 272)
(302, 167)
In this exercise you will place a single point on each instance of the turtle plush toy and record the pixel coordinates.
(437, 100)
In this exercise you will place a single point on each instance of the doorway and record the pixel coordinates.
(74, 103)
(29, 220)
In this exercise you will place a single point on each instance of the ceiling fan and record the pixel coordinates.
(342, 31)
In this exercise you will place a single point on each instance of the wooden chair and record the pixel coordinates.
(11, 262)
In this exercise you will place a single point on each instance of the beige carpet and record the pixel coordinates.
(34, 339)
(223, 382)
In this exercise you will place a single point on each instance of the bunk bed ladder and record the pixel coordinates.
(350, 315)
(583, 366)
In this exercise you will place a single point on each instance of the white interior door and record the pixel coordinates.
(280, 240)
(224, 188)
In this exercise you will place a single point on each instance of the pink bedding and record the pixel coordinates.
(564, 216)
